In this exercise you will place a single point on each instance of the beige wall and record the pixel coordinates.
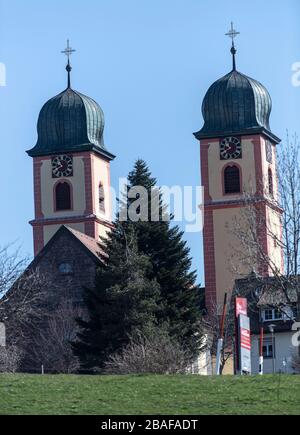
(227, 247)
(229, 257)
(265, 168)
(78, 186)
(274, 247)
(102, 175)
(228, 254)
(247, 164)
(51, 230)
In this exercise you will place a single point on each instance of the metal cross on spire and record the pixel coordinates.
(233, 34)
(68, 52)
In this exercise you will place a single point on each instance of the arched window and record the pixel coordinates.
(63, 197)
(270, 180)
(232, 181)
(101, 198)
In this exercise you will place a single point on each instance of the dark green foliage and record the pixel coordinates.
(124, 300)
(145, 280)
(171, 264)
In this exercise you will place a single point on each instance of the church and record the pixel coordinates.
(71, 173)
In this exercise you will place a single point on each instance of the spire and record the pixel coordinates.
(233, 34)
(68, 52)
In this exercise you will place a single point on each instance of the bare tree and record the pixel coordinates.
(211, 324)
(51, 344)
(11, 267)
(25, 301)
(24, 305)
(40, 319)
(253, 225)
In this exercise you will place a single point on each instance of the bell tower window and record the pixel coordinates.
(101, 198)
(270, 181)
(63, 200)
(232, 180)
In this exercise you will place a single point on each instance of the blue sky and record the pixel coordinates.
(148, 63)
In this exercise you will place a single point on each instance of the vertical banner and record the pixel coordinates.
(245, 344)
(241, 309)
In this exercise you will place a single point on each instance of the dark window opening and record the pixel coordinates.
(268, 351)
(270, 179)
(232, 180)
(63, 197)
(101, 198)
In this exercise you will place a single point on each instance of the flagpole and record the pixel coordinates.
(221, 339)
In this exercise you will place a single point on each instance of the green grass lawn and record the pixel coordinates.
(142, 395)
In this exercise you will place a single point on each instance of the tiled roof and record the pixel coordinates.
(89, 242)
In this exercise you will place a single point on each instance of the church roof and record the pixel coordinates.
(236, 104)
(91, 245)
(89, 242)
(68, 235)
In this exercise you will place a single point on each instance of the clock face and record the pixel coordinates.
(62, 166)
(230, 148)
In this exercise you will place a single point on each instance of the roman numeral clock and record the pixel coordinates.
(62, 166)
(230, 148)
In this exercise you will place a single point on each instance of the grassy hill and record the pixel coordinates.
(172, 395)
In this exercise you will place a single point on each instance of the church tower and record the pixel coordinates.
(238, 155)
(71, 167)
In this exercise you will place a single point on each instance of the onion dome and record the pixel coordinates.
(236, 104)
(70, 122)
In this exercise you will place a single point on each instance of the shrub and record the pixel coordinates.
(10, 358)
(154, 353)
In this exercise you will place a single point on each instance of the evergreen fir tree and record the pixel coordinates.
(145, 280)
(123, 302)
(163, 243)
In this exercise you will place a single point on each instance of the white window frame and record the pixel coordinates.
(286, 313)
(273, 312)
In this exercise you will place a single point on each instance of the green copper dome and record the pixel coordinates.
(70, 122)
(236, 104)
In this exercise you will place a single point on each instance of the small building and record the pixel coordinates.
(275, 310)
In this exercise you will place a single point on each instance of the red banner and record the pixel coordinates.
(241, 307)
(245, 339)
